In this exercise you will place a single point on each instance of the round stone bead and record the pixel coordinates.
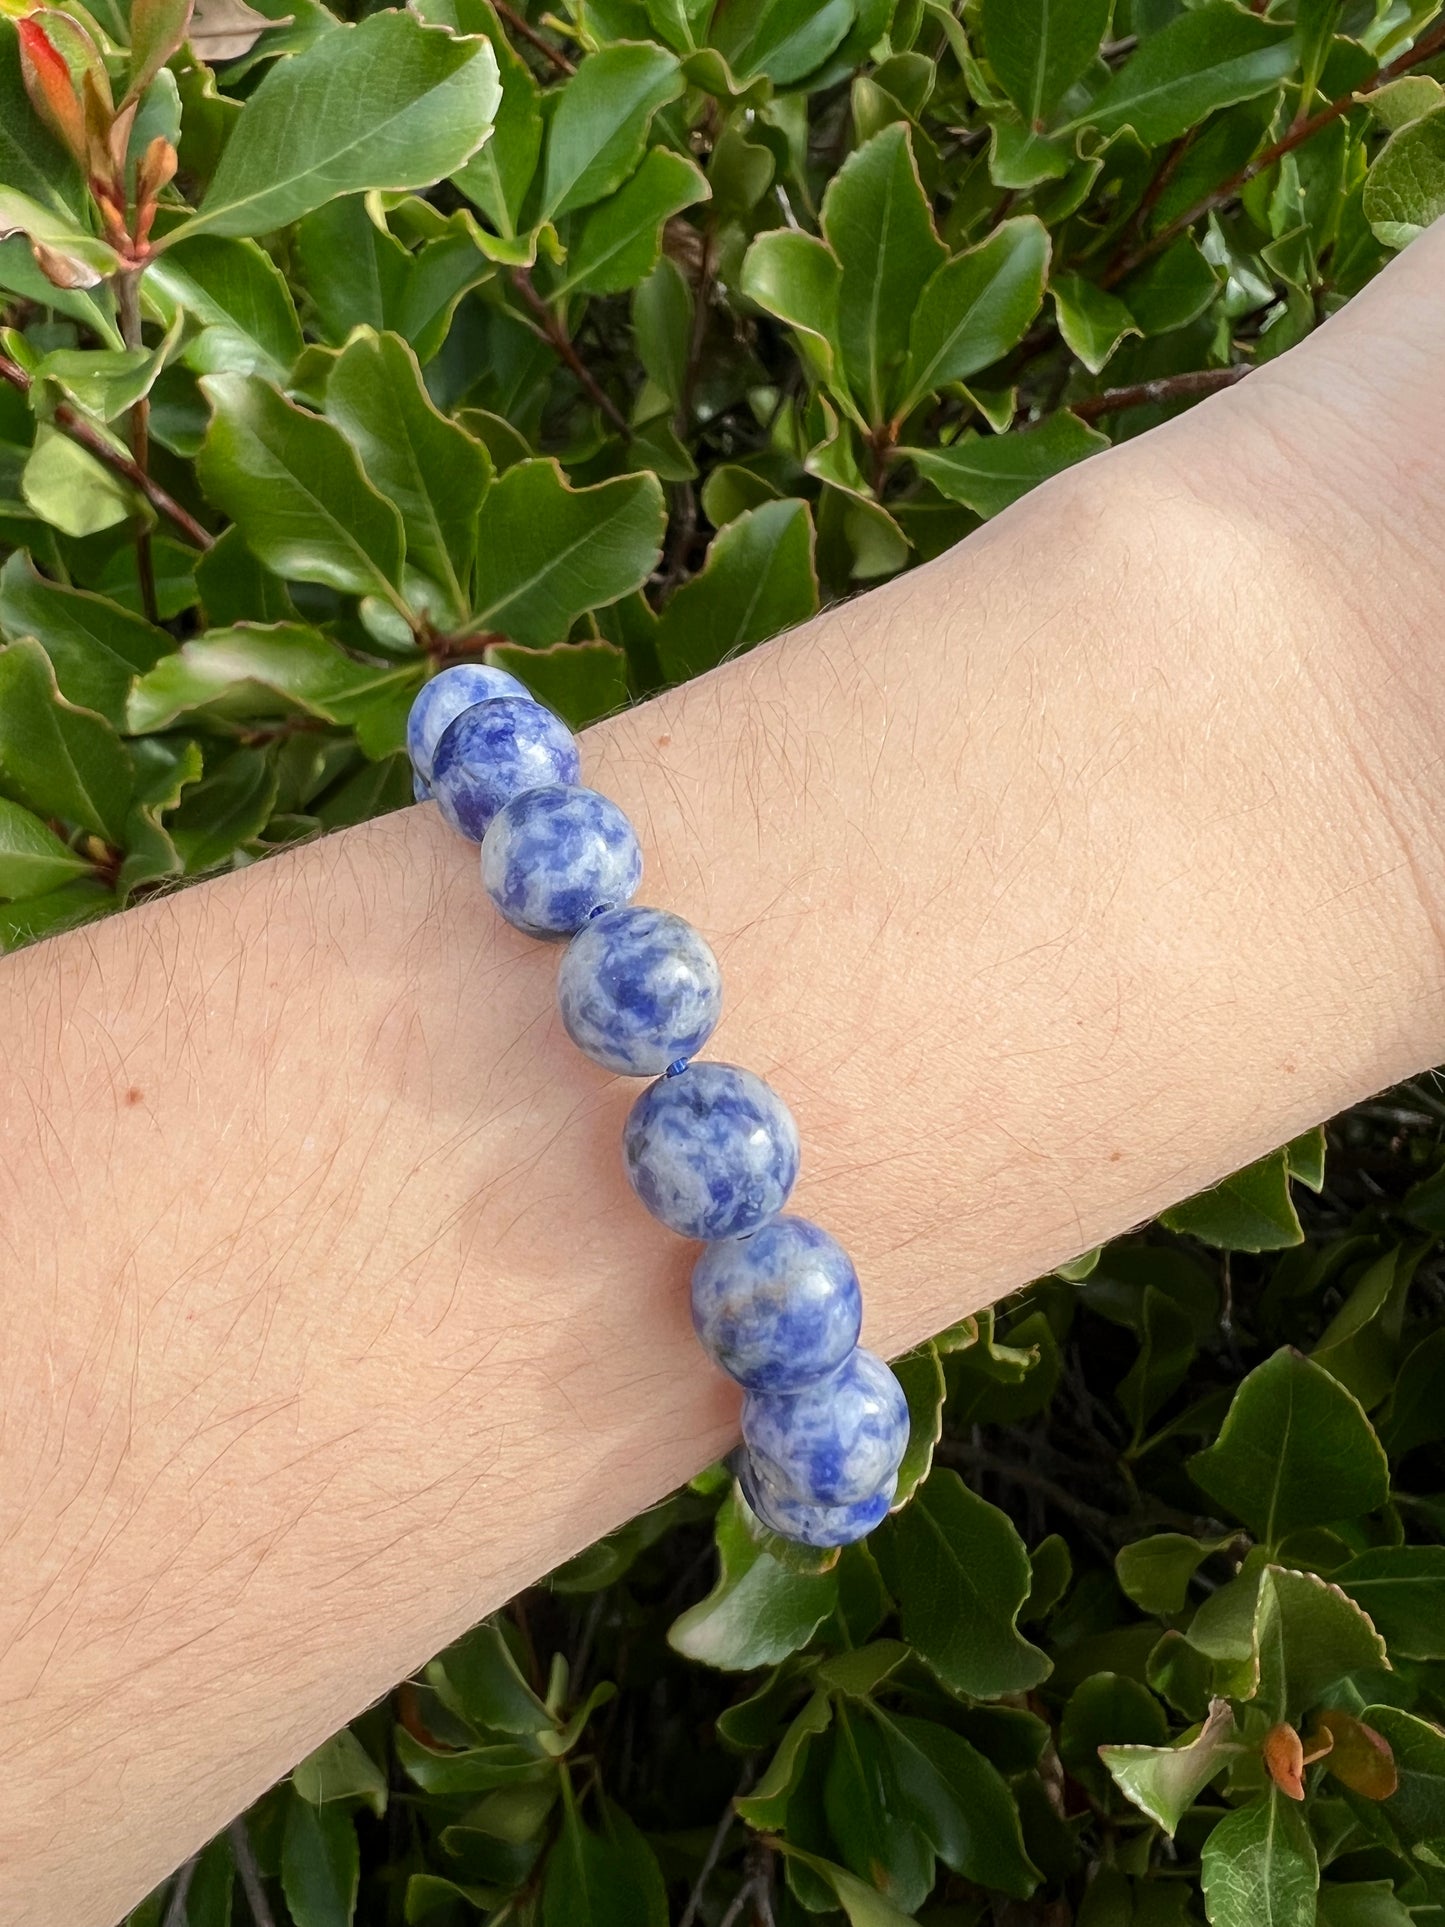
(420, 787)
(779, 1309)
(836, 1442)
(712, 1152)
(557, 855)
(443, 699)
(814, 1525)
(638, 989)
(492, 752)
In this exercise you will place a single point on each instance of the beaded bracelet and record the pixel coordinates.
(710, 1149)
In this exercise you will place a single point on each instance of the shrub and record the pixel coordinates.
(325, 340)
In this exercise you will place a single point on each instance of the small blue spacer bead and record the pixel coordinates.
(677, 1067)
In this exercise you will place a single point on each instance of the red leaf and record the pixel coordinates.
(51, 90)
(1284, 1760)
(1360, 1758)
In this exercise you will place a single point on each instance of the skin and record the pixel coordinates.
(1050, 883)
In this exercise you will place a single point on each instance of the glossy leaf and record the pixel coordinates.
(1250, 1211)
(1405, 189)
(1038, 48)
(1416, 1810)
(1308, 1636)
(1165, 1781)
(1296, 1450)
(56, 759)
(757, 581)
(234, 288)
(988, 473)
(758, 1612)
(32, 858)
(959, 1800)
(597, 133)
(319, 1865)
(96, 648)
(620, 240)
(434, 472)
(388, 103)
(604, 1879)
(341, 1769)
(1259, 1866)
(1402, 1588)
(297, 491)
(1208, 58)
(547, 553)
(977, 307)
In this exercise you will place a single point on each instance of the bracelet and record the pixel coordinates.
(710, 1149)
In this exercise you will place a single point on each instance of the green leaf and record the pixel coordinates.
(69, 488)
(1417, 1810)
(229, 806)
(1308, 1635)
(1166, 1351)
(1107, 1709)
(88, 259)
(1259, 1867)
(766, 1807)
(989, 472)
(1092, 321)
(1405, 189)
(1402, 1588)
(341, 1769)
(60, 760)
(1415, 1415)
(662, 318)
(157, 30)
(433, 471)
(1155, 1572)
(757, 581)
(876, 219)
(320, 1864)
(547, 553)
(1250, 1211)
(921, 1376)
(388, 103)
(480, 1681)
(963, 1576)
(1165, 1781)
(784, 39)
(795, 276)
(295, 488)
(97, 648)
(1306, 1155)
(497, 177)
(236, 290)
(1362, 1903)
(581, 681)
(1211, 57)
(606, 1879)
(757, 1612)
(977, 307)
(620, 240)
(863, 1905)
(32, 918)
(959, 1801)
(33, 859)
(598, 129)
(1039, 48)
(1295, 1450)
(254, 670)
(874, 1836)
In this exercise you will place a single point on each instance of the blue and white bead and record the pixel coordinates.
(838, 1441)
(712, 1152)
(638, 989)
(813, 1525)
(556, 855)
(779, 1309)
(443, 699)
(492, 752)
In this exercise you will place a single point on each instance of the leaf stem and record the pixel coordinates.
(80, 430)
(127, 301)
(1164, 388)
(1299, 132)
(510, 18)
(566, 349)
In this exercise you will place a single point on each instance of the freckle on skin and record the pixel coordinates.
(664, 742)
(1115, 1156)
(134, 1094)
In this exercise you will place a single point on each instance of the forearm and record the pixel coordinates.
(1049, 883)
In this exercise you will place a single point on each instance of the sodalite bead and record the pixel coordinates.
(639, 989)
(556, 855)
(492, 752)
(443, 699)
(838, 1441)
(420, 787)
(712, 1152)
(814, 1525)
(779, 1309)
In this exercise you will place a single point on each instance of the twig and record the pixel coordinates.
(711, 1857)
(557, 335)
(127, 300)
(1301, 131)
(250, 1874)
(976, 1459)
(1164, 388)
(90, 439)
(510, 18)
(176, 1906)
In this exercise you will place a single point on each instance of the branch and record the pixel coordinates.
(511, 18)
(90, 439)
(1298, 134)
(557, 335)
(1165, 388)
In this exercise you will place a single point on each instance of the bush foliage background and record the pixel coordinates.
(605, 342)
